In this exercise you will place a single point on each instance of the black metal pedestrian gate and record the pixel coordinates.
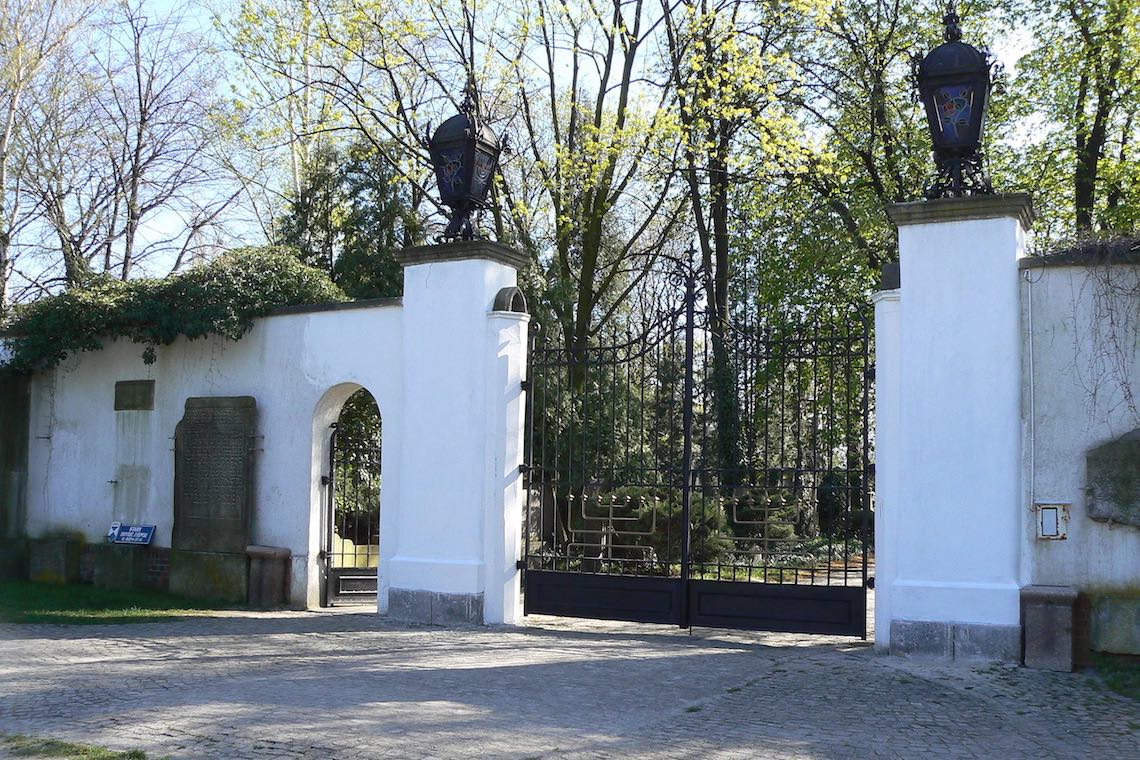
(350, 549)
(707, 472)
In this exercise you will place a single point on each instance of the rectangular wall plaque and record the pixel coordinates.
(134, 395)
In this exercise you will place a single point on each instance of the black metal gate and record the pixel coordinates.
(351, 542)
(704, 473)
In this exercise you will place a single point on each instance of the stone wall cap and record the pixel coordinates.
(462, 250)
(257, 551)
(1016, 205)
(1119, 251)
(1055, 594)
(311, 308)
(215, 402)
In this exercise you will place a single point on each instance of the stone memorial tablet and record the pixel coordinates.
(1113, 489)
(212, 474)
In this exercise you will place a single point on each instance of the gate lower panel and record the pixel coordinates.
(788, 607)
(638, 599)
(347, 585)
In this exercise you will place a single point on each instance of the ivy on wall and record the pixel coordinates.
(219, 298)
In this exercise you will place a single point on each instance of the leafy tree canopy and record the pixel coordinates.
(350, 217)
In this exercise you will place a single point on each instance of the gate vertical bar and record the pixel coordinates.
(687, 432)
(528, 458)
(868, 467)
(330, 518)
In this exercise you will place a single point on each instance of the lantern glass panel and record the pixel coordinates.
(450, 174)
(954, 108)
(481, 175)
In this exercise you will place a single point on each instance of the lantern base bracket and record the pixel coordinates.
(959, 176)
(459, 228)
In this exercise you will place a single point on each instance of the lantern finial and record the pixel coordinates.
(953, 32)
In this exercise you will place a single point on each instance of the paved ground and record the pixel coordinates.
(348, 685)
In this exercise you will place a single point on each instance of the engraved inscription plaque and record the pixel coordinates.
(213, 447)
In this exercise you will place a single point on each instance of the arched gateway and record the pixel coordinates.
(246, 499)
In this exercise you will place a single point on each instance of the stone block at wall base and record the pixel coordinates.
(956, 641)
(268, 575)
(13, 559)
(1115, 624)
(1047, 621)
(54, 560)
(209, 575)
(435, 608)
(120, 566)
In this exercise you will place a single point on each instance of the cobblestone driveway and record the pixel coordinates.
(348, 685)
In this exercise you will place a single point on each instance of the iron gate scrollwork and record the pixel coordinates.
(703, 471)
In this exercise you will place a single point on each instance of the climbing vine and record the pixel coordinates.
(1107, 367)
(219, 298)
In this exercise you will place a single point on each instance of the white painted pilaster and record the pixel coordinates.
(888, 333)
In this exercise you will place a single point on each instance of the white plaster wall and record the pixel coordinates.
(1074, 389)
(299, 367)
(959, 495)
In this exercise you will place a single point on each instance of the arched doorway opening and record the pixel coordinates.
(350, 541)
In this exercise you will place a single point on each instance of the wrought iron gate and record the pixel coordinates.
(703, 473)
(350, 546)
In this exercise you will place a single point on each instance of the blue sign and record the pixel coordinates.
(130, 534)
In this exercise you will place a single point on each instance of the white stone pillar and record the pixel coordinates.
(954, 552)
(455, 545)
(888, 334)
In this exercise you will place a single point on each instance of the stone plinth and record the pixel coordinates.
(268, 575)
(1115, 624)
(120, 566)
(1047, 620)
(54, 560)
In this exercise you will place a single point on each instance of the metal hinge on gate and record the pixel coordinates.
(325, 480)
(525, 385)
(520, 564)
(524, 468)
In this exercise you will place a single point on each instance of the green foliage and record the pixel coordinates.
(1119, 673)
(219, 298)
(349, 218)
(1070, 116)
(18, 745)
(357, 496)
(26, 602)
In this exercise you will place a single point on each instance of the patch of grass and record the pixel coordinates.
(26, 602)
(29, 746)
(1119, 673)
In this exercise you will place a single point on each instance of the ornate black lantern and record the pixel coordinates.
(954, 82)
(465, 153)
